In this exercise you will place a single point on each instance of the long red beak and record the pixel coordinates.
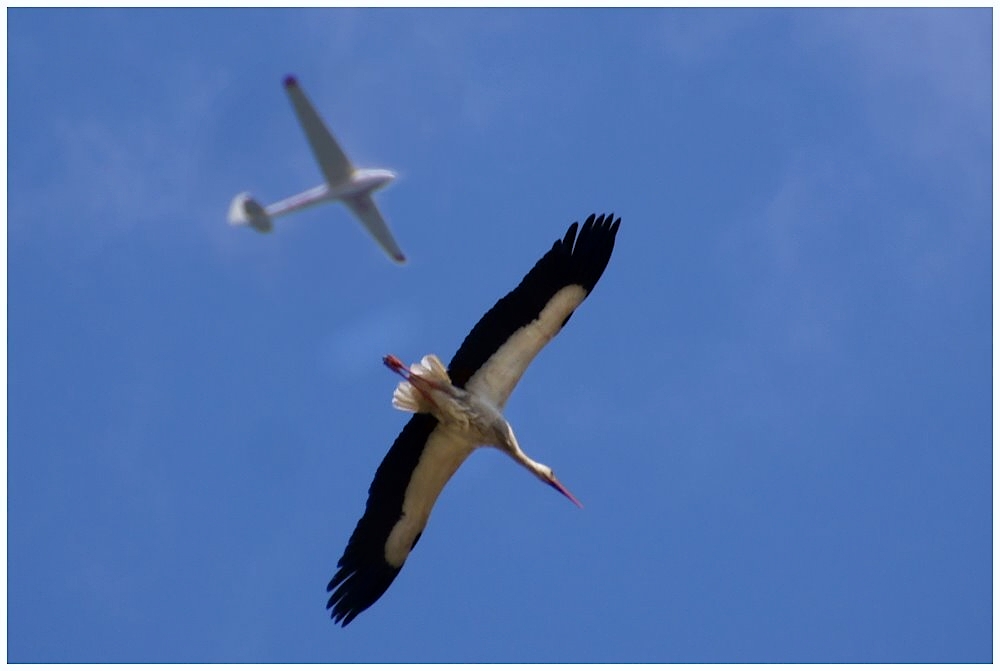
(558, 486)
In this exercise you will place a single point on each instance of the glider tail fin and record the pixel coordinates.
(245, 211)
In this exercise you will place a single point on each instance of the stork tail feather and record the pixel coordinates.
(431, 368)
(407, 397)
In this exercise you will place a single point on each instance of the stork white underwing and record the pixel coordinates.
(459, 409)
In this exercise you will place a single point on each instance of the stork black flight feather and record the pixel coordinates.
(460, 408)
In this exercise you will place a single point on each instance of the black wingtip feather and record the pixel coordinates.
(579, 257)
(362, 574)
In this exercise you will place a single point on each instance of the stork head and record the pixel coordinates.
(508, 443)
(546, 475)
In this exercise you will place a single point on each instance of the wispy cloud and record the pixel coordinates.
(693, 37)
(125, 170)
(354, 348)
(924, 74)
(798, 251)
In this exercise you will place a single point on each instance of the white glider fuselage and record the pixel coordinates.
(353, 186)
(361, 183)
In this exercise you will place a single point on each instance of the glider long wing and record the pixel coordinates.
(333, 162)
(366, 210)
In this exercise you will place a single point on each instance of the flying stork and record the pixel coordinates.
(459, 409)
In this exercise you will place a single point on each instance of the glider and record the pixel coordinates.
(353, 186)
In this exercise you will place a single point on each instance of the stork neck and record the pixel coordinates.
(520, 457)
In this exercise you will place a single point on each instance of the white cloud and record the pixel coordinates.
(354, 348)
(925, 75)
(121, 170)
(693, 37)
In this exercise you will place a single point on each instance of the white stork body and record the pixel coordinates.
(459, 409)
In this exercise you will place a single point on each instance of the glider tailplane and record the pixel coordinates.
(245, 211)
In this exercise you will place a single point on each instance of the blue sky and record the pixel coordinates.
(776, 405)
